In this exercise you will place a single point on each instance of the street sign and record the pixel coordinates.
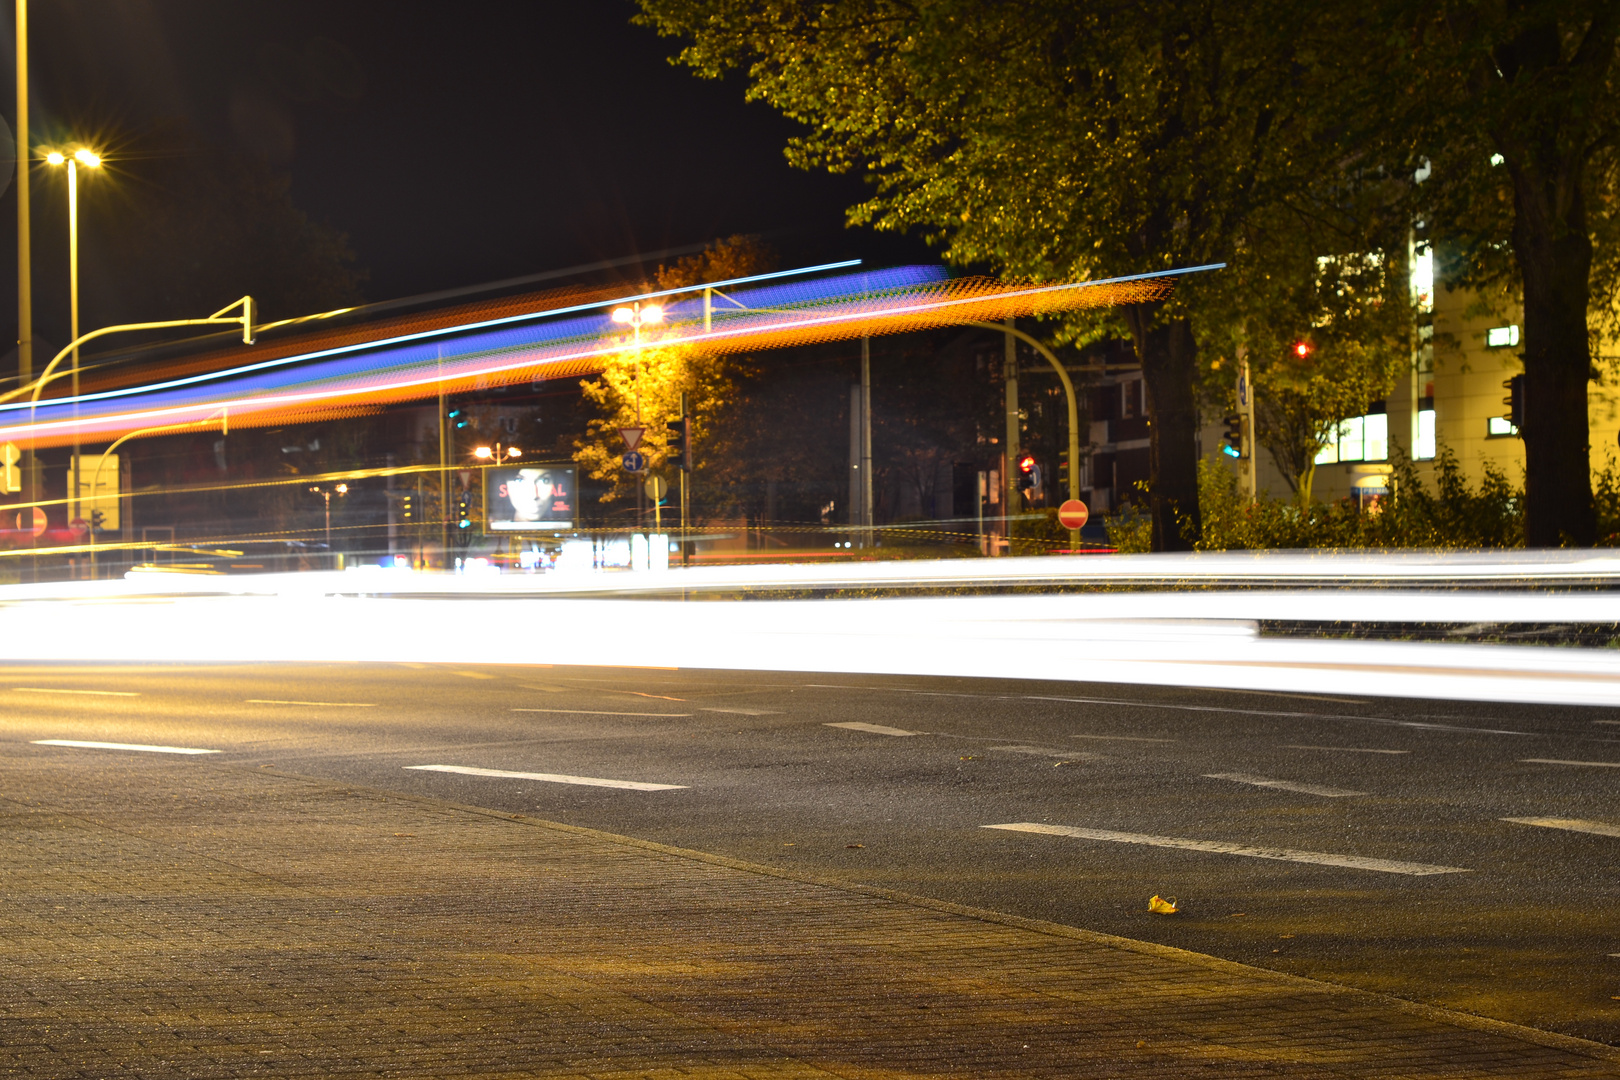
(35, 524)
(79, 525)
(635, 462)
(94, 487)
(656, 487)
(1073, 514)
(632, 437)
(10, 475)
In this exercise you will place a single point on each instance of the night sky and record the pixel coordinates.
(454, 143)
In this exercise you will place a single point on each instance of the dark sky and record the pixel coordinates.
(453, 143)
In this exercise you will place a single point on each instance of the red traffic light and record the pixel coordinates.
(1026, 463)
(1302, 349)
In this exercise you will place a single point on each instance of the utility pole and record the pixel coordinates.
(444, 469)
(1245, 403)
(685, 474)
(1009, 481)
(25, 281)
(866, 442)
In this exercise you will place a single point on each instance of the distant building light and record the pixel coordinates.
(1497, 159)
(1502, 337)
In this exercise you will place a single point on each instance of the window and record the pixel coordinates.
(1358, 438)
(1500, 427)
(1423, 280)
(1425, 449)
(1501, 337)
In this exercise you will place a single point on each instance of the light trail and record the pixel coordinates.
(358, 377)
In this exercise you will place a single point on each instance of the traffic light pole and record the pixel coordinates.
(685, 471)
(1009, 479)
(1245, 396)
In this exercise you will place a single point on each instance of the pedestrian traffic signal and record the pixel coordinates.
(1234, 436)
(679, 441)
(1514, 401)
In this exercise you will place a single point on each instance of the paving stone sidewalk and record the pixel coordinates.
(164, 918)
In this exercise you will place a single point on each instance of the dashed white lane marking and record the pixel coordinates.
(325, 704)
(602, 712)
(1263, 712)
(1596, 828)
(1120, 738)
(1354, 862)
(550, 778)
(1283, 785)
(745, 712)
(1042, 751)
(123, 746)
(1560, 761)
(1345, 749)
(875, 729)
(1606, 721)
(90, 693)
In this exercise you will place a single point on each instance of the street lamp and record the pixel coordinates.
(326, 494)
(636, 316)
(496, 454)
(90, 160)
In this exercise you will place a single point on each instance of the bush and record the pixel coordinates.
(1452, 515)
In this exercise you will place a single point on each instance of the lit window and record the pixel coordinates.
(1358, 438)
(1425, 449)
(1500, 427)
(1501, 337)
(1423, 280)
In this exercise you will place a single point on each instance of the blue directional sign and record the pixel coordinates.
(635, 461)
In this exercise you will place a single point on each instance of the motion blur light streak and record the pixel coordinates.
(323, 384)
(1152, 635)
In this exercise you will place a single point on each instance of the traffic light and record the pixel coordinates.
(464, 510)
(407, 508)
(457, 418)
(1234, 436)
(1302, 349)
(1514, 401)
(1029, 473)
(680, 442)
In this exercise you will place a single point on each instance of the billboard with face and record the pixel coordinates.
(529, 498)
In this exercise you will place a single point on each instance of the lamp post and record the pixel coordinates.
(497, 454)
(636, 316)
(90, 160)
(326, 493)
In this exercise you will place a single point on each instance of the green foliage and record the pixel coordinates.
(1412, 515)
(1130, 530)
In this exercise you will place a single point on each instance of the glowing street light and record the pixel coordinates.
(636, 316)
(326, 494)
(497, 453)
(90, 160)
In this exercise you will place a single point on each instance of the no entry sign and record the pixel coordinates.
(1073, 514)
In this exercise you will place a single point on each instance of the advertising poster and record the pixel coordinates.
(529, 498)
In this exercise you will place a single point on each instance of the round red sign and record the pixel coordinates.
(34, 522)
(1073, 514)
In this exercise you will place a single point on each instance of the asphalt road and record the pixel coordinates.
(1362, 841)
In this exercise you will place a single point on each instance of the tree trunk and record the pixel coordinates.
(1554, 252)
(1169, 356)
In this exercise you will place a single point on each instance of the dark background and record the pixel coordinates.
(452, 144)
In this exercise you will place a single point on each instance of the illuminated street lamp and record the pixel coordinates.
(497, 454)
(636, 316)
(326, 494)
(90, 160)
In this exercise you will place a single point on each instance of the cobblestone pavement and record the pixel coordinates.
(178, 918)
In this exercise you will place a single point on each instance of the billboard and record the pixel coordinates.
(528, 498)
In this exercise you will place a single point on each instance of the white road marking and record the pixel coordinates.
(1606, 722)
(1120, 738)
(54, 690)
(599, 712)
(550, 778)
(1263, 712)
(1283, 785)
(745, 712)
(1042, 751)
(1558, 761)
(1596, 828)
(1345, 749)
(875, 729)
(329, 704)
(1354, 862)
(124, 746)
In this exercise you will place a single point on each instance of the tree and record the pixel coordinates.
(1510, 109)
(643, 387)
(1047, 139)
